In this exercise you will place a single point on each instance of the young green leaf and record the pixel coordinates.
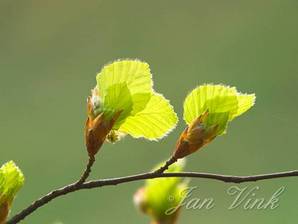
(153, 122)
(211, 98)
(245, 102)
(216, 99)
(134, 73)
(124, 102)
(207, 111)
(11, 180)
(124, 85)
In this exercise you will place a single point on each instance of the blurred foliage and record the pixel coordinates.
(161, 198)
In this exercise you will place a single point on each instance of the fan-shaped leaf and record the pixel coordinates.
(134, 73)
(211, 98)
(153, 122)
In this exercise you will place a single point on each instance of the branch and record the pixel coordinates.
(151, 175)
(54, 194)
(87, 171)
(43, 201)
(168, 163)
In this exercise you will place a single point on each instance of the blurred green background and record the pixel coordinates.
(50, 52)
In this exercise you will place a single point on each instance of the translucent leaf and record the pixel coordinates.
(245, 102)
(218, 119)
(118, 98)
(140, 101)
(134, 73)
(11, 180)
(211, 98)
(222, 103)
(153, 122)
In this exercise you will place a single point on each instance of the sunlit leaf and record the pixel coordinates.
(11, 180)
(218, 119)
(134, 73)
(245, 102)
(118, 98)
(223, 104)
(126, 86)
(153, 122)
(211, 98)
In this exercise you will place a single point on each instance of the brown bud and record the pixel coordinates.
(194, 137)
(97, 129)
(4, 210)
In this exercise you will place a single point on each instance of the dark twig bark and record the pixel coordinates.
(87, 171)
(54, 194)
(168, 163)
(151, 175)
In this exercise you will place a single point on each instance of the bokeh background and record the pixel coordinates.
(50, 52)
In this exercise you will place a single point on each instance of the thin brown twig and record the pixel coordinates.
(54, 194)
(168, 163)
(151, 175)
(87, 171)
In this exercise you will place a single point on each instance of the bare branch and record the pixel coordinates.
(87, 171)
(43, 201)
(55, 194)
(151, 175)
(168, 163)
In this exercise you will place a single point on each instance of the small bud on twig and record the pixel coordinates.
(194, 137)
(97, 129)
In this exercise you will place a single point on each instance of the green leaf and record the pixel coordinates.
(126, 86)
(140, 101)
(218, 119)
(211, 98)
(153, 122)
(223, 104)
(245, 102)
(11, 180)
(134, 73)
(118, 98)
